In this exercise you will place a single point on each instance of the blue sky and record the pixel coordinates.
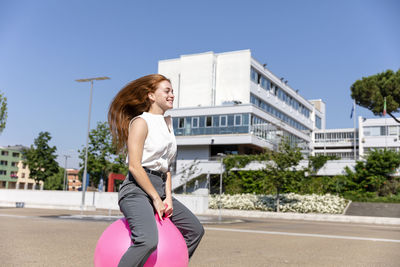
(320, 47)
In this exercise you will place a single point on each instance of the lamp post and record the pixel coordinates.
(87, 135)
(65, 171)
(222, 155)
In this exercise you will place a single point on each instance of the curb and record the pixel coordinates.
(305, 216)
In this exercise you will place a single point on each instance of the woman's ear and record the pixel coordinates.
(151, 96)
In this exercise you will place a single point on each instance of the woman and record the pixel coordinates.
(138, 125)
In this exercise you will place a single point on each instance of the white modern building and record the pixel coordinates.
(375, 133)
(336, 142)
(229, 103)
(378, 133)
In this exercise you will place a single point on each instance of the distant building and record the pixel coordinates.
(73, 180)
(14, 174)
(336, 142)
(376, 133)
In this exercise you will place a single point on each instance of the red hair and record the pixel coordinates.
(131, 101)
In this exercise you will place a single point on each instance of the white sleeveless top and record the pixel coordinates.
(160, 145)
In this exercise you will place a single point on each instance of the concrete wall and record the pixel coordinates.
(208, 79)
(171, 69)
(233, 77)
(196, 202)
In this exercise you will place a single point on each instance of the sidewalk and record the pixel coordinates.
(241, 214)
(214, 216)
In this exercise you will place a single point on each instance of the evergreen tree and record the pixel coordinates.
(379, 93)
(376, 173)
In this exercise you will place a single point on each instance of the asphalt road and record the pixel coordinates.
(33, 237)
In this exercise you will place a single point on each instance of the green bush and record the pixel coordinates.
(370, 197)
(372, 180)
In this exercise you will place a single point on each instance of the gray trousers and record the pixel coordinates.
(138, 210)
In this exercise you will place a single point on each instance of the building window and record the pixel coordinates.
(181, 123)
(276, 113)
(4, 153)
(208, 121)
(392, 130)
(264, 83)
(375, 131)
(23, 166)
(23, 175)
(14, 164)
(13, 175)
(317, 122)
(222, 121)
(195, 122)
(4, 162)
(254, 75)
(215, 121)
(231, 120)
(15, 154)
(3, 172)
(238, 120)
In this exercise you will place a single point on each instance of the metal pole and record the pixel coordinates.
(86, 149)
(220, 185)
(324, 142)
(65, 171)
(220, 178)
(355, 145)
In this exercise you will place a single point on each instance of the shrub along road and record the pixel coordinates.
(33, 237)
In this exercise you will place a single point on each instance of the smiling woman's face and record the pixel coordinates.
(163, 97)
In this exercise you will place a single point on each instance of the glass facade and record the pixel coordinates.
(341, 155)
(276, 113)
(318, 121)
(231, 124)
(381, 131)
(212, 124)
(266, 84)
(335, 137)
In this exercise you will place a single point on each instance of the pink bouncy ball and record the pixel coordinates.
(115, 241)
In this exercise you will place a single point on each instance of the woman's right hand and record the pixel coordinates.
(159, 207)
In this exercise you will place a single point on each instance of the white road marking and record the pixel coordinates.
(15, 216)
(302, 234)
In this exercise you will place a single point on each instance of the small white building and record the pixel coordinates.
(374, 133)
(336, 142)
(229, 103)
(378, 133)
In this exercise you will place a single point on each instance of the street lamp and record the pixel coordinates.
(222, 155)
(65, 171)
(87, 136)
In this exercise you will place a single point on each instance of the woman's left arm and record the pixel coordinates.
(168, 193)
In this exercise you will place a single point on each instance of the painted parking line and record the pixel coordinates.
(304, 235)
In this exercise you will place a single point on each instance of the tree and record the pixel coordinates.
(283, 171)
(101, 155)
(370, 92)
(315, 163)
(375, 174)
(188, 171)
(55, 182)
(3, 112)
(41, 158)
